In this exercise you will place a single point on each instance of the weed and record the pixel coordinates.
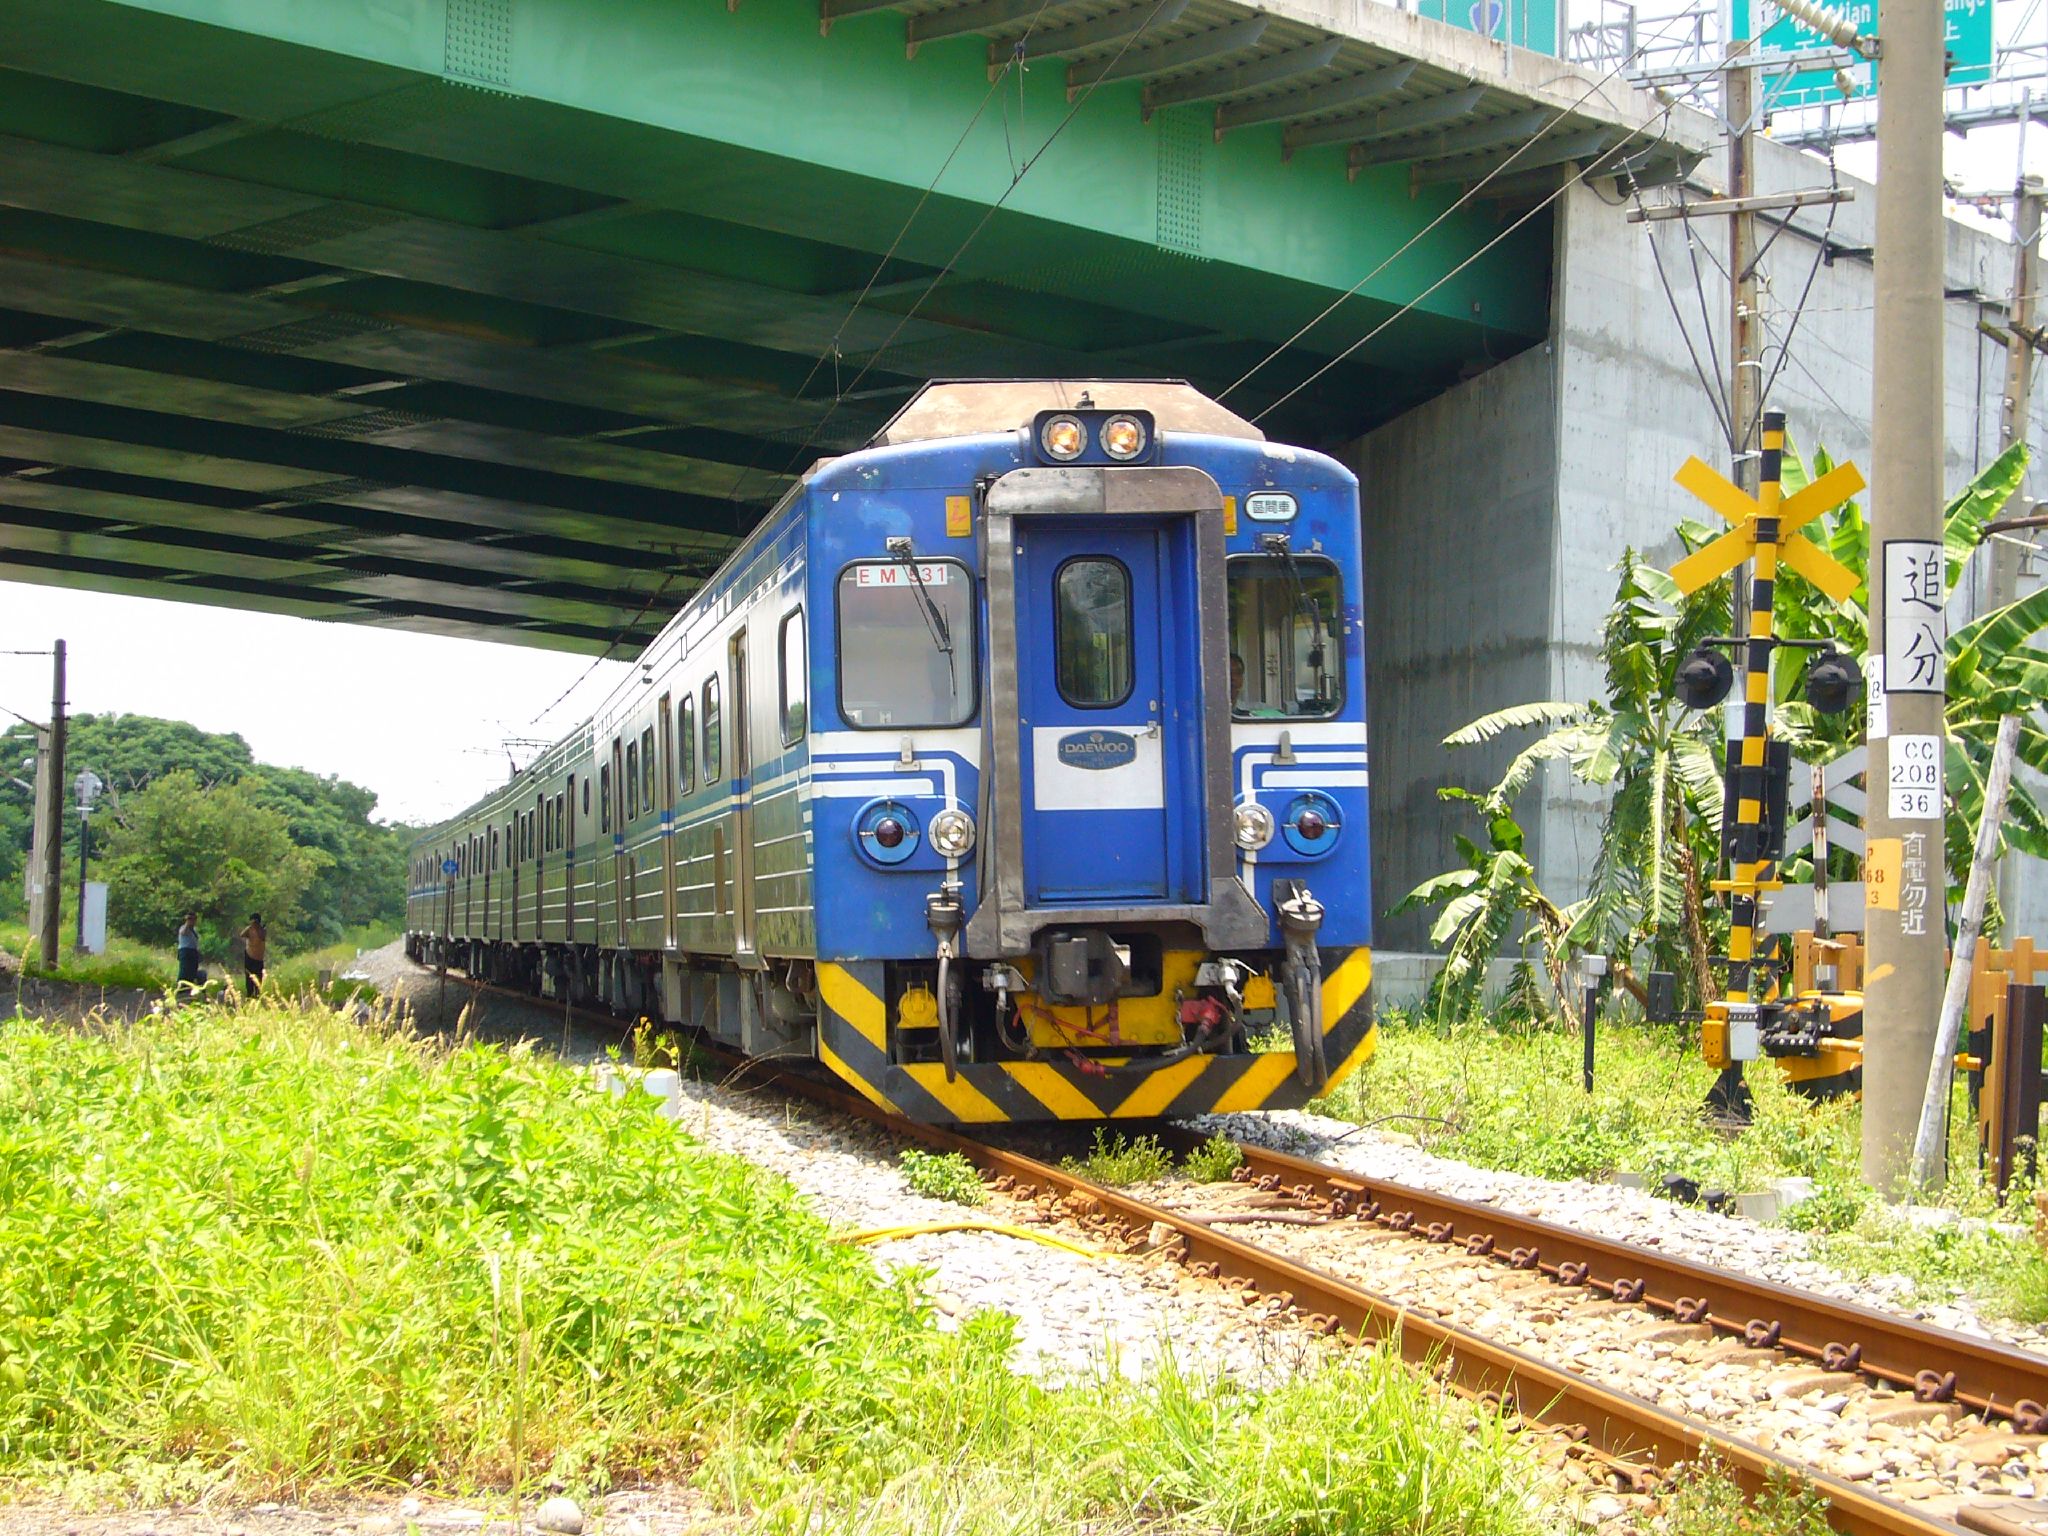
(1702, 1499)
(1213, 1161)
(1118, 1160)
(1514, 1100)
(943, 1176)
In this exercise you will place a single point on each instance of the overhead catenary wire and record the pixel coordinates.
(1584, 171)
(988, 214)
(831, 351)
(1461, 201)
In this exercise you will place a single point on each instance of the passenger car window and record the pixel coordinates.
(686, 745)
(647, 768)
(906, 647)
(604, 797)
(711, 753)
(632, 780)
(1286, 638)
(795, 679)
(1092, 632)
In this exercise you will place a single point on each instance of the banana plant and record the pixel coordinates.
(1994, 666)
(1647, 895)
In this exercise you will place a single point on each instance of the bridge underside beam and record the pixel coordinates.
(497, 321)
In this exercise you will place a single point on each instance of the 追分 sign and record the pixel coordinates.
(1915, 629)
(1967, 37)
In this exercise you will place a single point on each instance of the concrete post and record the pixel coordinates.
(1904, 975)
(1745, 325)
(2003, 583)
(50, 815)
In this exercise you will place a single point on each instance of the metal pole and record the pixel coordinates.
(50, 810)
(1592, 1012)
(1903, 984)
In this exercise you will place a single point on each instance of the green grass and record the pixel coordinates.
(132, 965)
(272, 1249)
(126, 964)
(1117, 1160)
(943, 1176)
(1513, 1100)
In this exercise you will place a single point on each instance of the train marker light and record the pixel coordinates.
(1833, 682)
(1063, 438)
(1704, 678)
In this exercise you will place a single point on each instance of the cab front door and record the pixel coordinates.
(1111, 717)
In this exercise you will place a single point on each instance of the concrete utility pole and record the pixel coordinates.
(1903, 992)
(50, 815)
(2003, 583)
(1745, 325)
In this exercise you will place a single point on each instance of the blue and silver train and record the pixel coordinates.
(1013, 768)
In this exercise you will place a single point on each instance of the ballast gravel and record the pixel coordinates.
(1075, 1316)
(1625, 1215)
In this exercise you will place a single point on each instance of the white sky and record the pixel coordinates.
(422, 719)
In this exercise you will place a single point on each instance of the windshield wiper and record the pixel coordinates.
(1297, 590)
(934, 620)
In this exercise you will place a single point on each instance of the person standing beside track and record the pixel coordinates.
(255, 944)
(188, 952)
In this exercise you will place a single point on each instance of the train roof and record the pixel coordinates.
(965, 407)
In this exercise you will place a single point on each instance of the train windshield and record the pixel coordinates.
(906, 647)
(1286, 638)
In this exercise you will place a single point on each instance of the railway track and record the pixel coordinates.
(1636, 1441)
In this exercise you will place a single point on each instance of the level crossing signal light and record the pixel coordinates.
(1704, 678)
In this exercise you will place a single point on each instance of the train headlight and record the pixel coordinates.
(1252, 825)
(1311, 824)
(886, 831)
(1123, 437)
(952, 833)
(1063, 438)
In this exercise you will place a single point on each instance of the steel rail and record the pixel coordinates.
(1622, 1428)
(1937, 1365)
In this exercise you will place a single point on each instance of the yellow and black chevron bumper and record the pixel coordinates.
(853, 1041)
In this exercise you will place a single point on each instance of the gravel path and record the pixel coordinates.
(667, 1510)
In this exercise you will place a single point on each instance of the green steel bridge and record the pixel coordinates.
(506, 317)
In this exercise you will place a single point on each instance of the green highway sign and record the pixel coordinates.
(1969, 43)
(1525, 23)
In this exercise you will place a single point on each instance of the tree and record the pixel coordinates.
(1994, 667)
(360, 881)
(183, 847)
(1660, 836)
(1660, 844)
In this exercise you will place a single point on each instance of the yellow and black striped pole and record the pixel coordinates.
(1747, 778)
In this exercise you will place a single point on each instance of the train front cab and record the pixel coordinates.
(1167, 912)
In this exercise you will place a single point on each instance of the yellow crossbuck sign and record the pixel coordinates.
(1795, 511)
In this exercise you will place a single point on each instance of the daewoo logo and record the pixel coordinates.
(1097, 749)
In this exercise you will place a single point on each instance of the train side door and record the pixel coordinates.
(569, 863)
(618, 815)
(1111, 719)
(665, 781)
(739, 765)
